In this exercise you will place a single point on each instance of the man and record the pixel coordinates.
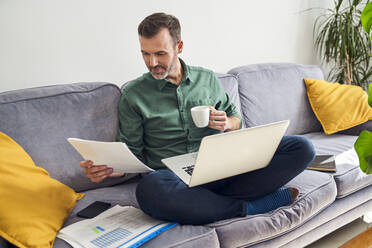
(155, 123)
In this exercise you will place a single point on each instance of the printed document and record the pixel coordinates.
(113, 154)
(124, 227)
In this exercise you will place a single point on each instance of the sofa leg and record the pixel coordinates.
(368, 217)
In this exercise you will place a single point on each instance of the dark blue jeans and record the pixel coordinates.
(161, 194)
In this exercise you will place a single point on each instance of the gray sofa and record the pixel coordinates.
(40, 120)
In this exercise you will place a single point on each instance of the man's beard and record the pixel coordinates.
(164, 75)
(159, 76)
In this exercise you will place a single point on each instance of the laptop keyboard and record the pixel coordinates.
(188, 169)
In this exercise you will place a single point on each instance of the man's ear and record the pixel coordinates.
(179, 46)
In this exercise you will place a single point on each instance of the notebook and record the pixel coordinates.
(323, 163)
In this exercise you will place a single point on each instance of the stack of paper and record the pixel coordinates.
(117, 227)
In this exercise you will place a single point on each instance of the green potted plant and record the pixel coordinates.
(363, 145)
(366, 18)
(342, 43)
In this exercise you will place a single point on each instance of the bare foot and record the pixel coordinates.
(294, 193)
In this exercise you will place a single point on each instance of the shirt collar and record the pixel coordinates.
(186, 72)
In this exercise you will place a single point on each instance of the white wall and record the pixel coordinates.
(45, 42)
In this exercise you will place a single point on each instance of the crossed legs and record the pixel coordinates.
(163, 195)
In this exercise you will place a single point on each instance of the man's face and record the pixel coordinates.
(160, 53)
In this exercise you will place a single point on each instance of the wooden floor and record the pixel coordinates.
(350, 235)
(363, 240)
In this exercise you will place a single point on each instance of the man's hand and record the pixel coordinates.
(97, 173)
(218, 120)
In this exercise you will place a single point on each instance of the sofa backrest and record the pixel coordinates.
(40, 119)
(276, 91)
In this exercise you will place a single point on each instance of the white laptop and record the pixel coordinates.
(228, 154)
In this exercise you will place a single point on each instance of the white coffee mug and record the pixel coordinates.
(200, 116)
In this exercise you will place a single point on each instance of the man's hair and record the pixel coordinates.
(153, 24)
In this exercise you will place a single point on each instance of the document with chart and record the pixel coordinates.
(124, 227)
(116, 155)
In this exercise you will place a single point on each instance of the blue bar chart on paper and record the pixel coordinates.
(124, 227)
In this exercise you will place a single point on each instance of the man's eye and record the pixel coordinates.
(160, 54)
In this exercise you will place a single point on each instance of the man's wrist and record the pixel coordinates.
(233, 123)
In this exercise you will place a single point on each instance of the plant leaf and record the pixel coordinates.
(363, 147)
(366, 17)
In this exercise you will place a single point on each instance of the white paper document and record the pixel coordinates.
(124, 227)
(113, 154)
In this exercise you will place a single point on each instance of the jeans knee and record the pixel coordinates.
(148, 184)
(151, 189)
(306, 149)
(300, 149)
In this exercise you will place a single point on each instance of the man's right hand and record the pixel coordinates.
(97, 173)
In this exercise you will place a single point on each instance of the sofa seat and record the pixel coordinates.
(317, 191)
(349, 178)
(124, 194)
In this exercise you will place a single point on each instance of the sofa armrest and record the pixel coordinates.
(358, 129)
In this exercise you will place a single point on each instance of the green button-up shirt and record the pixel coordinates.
(154, 115)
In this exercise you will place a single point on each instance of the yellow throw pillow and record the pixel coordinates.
(33, 205)
(338, 106)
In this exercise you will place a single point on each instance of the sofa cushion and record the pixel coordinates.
(124, 194)
(348, 177)
(317, 191)
(33, 205)
(331, 144)
(40, 119)
(339, 213)
(230, 85)
(275, 92)
(338, 106)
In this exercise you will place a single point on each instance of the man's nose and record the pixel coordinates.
(153, 61)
